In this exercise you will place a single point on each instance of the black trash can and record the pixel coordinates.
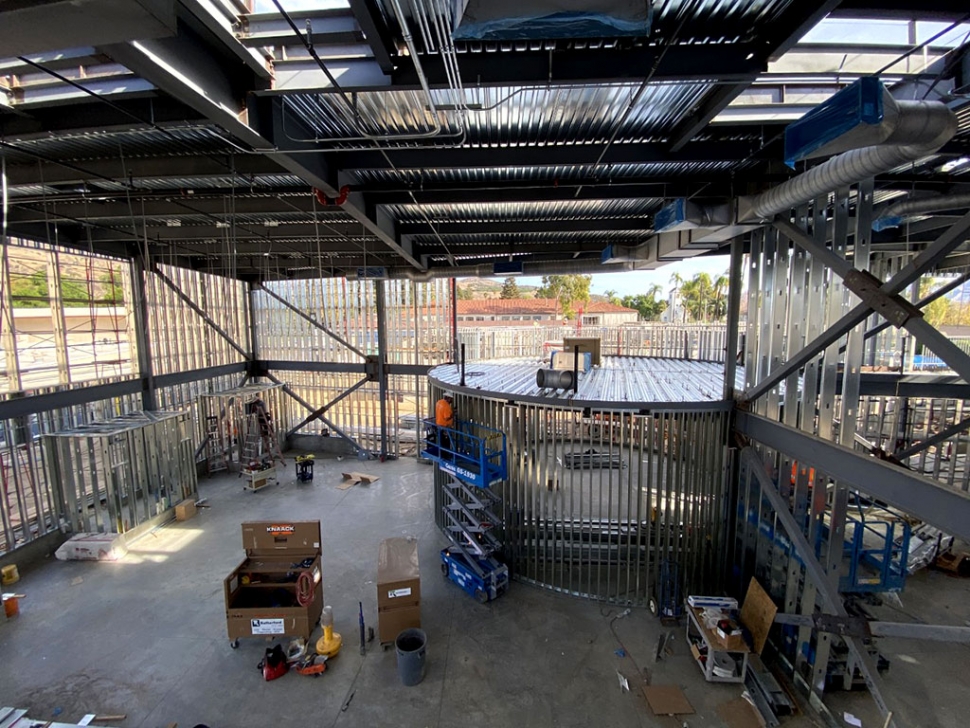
(411, 645)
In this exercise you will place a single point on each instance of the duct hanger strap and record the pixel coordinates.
(892, 307)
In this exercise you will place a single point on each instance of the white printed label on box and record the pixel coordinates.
(267, 626)
(399, 593)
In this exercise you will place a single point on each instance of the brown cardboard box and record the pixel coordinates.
(260, 594)
(391, 622)
(734, 641)
(585, 343)
(185, 510)
(398, 574)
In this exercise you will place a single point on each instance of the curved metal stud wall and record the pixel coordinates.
(602, 532)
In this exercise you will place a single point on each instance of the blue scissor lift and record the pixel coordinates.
(472, 458)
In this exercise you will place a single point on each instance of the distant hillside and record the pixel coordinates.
(491, 287)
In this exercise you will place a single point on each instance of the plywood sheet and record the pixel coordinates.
(667, 700)
(757, 614)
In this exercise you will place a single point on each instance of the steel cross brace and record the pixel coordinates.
(311, 320)
(891, 306)
(205, 317)
(950, 431)
(921, 304)
(864, 629)
(825, 587)
(952, 238)
(318, 413)
(308, 406)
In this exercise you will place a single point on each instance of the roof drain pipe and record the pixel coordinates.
(864, 113)
(895, 214)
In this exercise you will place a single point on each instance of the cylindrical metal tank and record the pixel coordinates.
(606, 483)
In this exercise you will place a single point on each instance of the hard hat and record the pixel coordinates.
(448, 395)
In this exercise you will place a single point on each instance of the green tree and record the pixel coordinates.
(463, 294)
(32, 291)
(113, 294)
(937, 312)
(647, 304)
(676, 285)
(697, 297)
(510, 289)
(614, 299)
(721, 284)
(567, 290)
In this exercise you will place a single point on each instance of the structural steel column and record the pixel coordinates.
(381, 296)
(139, 309)
(733, 317)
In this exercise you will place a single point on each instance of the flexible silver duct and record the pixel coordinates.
(895, 213)
(921, 128)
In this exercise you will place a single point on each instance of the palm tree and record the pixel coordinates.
(677, 283)
(720, 296)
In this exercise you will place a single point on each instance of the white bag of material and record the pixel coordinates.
(93, 547)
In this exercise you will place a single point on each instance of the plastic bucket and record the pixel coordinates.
(11, 606)
(9, 575)
(411, 644)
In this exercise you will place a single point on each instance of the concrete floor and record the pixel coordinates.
(146, 636)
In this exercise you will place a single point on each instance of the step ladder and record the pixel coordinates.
(259, 443)
(216, 450)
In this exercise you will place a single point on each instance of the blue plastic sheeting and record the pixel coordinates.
(886, 223)
(856, 105)
(671, 215)
(489, 20)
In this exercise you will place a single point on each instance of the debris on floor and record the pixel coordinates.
(624, 683)
(738, 713)
(356, 478)
(667, 700)
(954, 563)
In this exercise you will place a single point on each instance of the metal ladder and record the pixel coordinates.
(259, 442)
(216, 451)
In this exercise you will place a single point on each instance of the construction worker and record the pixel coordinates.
(444, 417)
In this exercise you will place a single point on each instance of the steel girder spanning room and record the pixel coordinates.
(285, 199)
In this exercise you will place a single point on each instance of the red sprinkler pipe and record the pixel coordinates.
(327, 201)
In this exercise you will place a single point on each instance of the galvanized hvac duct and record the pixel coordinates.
(894, 215)
(909, 131)
(529, 269)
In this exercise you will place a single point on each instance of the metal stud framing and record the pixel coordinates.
(602, 533)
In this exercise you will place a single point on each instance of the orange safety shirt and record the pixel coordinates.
(444, 413)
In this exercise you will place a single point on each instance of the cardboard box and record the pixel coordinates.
(733, 641)
(391, 622)
(398, 574)
(260, 593)
(185, 510)
(590, 344)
